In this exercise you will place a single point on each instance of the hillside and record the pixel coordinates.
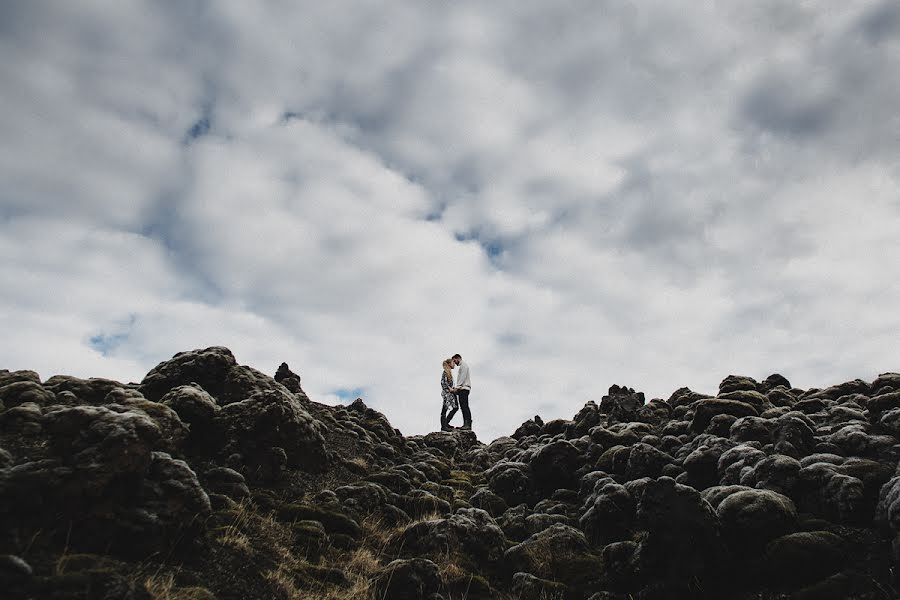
(213, 480)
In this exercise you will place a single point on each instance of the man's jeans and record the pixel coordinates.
(463, 396)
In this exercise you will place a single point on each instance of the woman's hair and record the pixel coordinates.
(448, 369)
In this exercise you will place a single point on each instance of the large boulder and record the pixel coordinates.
(701, 465)
(803, 557)
(170, 508)
(106, 442)
(705, 410)
(74, 390)
(273, 419)
(511, 481)
(289, 379)
(609, 512)
(409, 579)
(208, 368)
(752, 518)
(15, 393)
(558, 553)
(645, 461)
(737, 383)
(825, 491)
(214, 370)
(100, 474)
(555, 464)
(470, 537)
(621, 404)
(679, 539)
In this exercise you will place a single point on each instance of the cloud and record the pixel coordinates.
(571, 196)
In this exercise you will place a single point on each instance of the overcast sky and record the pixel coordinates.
(569, 194)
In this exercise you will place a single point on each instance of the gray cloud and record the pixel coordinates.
(571, 195)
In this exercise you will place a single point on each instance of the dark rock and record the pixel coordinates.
(470, 535)
(857, 386)
(529, 427)
(752, 518)
(705, 410)
(85, 391)
(526, 586)
(586, 418)
(751, 397)
(363, 498)
(737, 383)
(537, 522)
(289, 379)
(884, 383)
(310, 539)
(735, 462)
(609, 512)
(684, 396)
(409, 579)
(843, 585)
(773, 381)
(881, 404)
(488, 501)
(701, 466)
(227, 482)
(25, 420)
(511, 481)
(20, 392)
(793, 435)
(804, 557)
(106, 442)
(171, 509)
(555, 464)
(334, 521)
(621, 404)
(557, 427)
(716, 494)
(781, 397)
(619, 562)
(825, 491)
(419, 503)
(273, 419)
(778, 473)
(751, 429)
(195, 407)
(645, 461)
(207, 368)
(559, 553)
(13, 570)
(681, 540)
(513, 523)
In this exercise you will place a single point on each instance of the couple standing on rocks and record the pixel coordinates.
(455, 396)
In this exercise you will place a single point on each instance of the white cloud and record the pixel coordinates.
(570, 196)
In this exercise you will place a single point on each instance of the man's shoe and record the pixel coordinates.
(466, 427)
(446, 428)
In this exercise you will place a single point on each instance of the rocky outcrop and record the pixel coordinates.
(210, 479)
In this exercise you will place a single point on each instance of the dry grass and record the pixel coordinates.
(162, 587)
(360, 566)
(359, 462)
(282, 584)
(232, 535)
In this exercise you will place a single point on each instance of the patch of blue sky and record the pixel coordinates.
(201, 126)
(492, 247)
(107, 343)
(349, 393)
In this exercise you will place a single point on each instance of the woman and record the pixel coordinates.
(448, 393)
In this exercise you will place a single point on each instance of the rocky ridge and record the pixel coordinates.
(210, 479)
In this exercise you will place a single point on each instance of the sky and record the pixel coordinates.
(571, 195)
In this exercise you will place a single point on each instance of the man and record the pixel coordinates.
(463, 387)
